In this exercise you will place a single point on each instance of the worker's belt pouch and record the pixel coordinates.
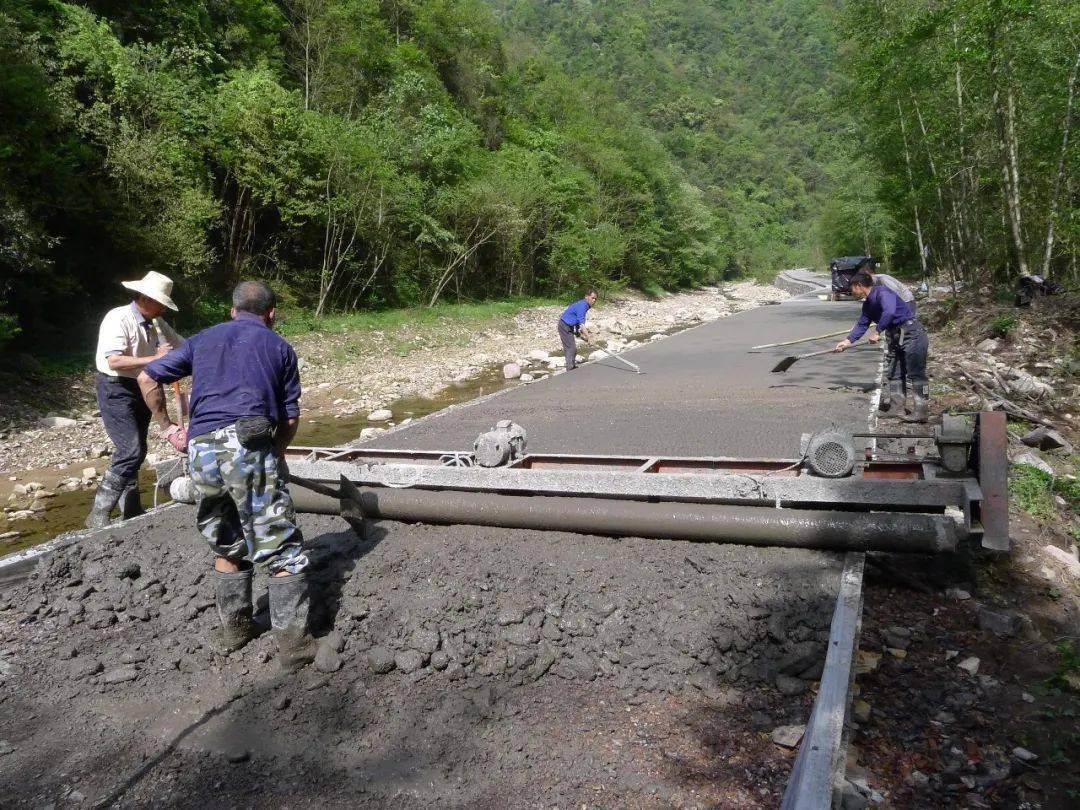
(255, 432)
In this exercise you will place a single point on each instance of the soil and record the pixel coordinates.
(525, 669)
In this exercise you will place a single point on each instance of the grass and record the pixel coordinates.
(296, 322)
(1001, 326)
(1034, 491)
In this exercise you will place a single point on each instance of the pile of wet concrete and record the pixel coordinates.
(410, 602)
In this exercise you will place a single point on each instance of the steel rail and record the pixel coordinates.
(818, 773)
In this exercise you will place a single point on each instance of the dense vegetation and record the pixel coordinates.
(749, 97)
(971, 113)
(360, 153)
(372, 153)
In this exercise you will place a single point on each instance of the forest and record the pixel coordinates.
(362, 154)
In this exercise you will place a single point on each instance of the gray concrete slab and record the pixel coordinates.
(702, 393)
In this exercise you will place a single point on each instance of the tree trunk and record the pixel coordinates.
(1066, 126)
(911, 191)
(1004, 117)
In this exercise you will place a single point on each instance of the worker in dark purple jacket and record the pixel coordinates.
(245, 408)
(908, 344)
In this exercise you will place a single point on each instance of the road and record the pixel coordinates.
(475, 666)
(701, 393)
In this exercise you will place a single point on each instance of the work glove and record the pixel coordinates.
(177, 437)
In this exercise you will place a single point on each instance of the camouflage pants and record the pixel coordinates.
(244, 508)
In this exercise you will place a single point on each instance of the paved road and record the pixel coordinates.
(701, 394)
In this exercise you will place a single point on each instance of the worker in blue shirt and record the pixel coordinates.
(572, 323)
(245, 408)
(908, 345)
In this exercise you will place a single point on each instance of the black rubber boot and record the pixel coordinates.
(289, 607)
(131, 501)
(232, 595)
(892, 400)
(921, 412)
(108, 494)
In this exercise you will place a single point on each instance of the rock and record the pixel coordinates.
(1024, 755)
(57, 422)
(381, 660)
(510, 615)
(539, 355)
(851, 798)
(897, 653)
(89, 473)
(1031, 460)
(281, 702)
(970, 665)
(860, 709)
(897, 638)
(1044, 438)
(84, 668)
(522, 635)
(917, 779)
(100, 451)
(425, 641)
(9, 535)
(380, 415)
(327, 658)
(440, 660)
(866, 661)
(511, 371)
(526, 378)
(1027, 697)
(999, 622)
(409, 660)
(238, 755)
(121, 675)
(790, 686)
(370, 432)
(1065, 558)
(787, 736)
(959, 594)
(597, 355)
(988, 346)
(6, 748)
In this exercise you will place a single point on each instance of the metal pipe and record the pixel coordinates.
(747, 525)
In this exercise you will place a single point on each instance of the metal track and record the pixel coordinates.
(819, 766)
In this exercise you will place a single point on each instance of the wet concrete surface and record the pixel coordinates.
(701, 393)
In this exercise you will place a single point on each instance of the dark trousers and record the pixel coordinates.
(908, 346)
(566, 335)
(127, 419)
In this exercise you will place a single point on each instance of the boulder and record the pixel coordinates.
(1032, 460)
(787, 736)
(1044, 438)
(539, 355)
(511, 371)
(380, 415)
(988, 346)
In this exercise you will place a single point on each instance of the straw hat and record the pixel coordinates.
(154, 285)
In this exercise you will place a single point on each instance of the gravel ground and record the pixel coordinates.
(458, 666)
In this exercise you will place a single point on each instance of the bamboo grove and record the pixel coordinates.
(970, 111)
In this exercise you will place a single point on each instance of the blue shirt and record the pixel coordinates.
(883, 307)
(239, 368)
(575, 314)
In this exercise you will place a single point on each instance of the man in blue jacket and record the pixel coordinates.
(572, 323)
(908, 344)
(245, 408)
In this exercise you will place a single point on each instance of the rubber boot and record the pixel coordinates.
(289, 605)
(232, 595)
(921, 412)
(131, 501)
(893, 400)
(108, 494)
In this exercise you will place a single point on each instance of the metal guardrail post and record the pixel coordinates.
(819, 766)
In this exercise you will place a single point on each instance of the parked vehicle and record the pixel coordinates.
(843, 269)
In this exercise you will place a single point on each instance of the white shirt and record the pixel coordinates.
(894, 284)
(125, 330)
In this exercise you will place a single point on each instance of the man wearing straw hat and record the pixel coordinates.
(130, 338)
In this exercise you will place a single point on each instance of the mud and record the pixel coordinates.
(466, 666)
